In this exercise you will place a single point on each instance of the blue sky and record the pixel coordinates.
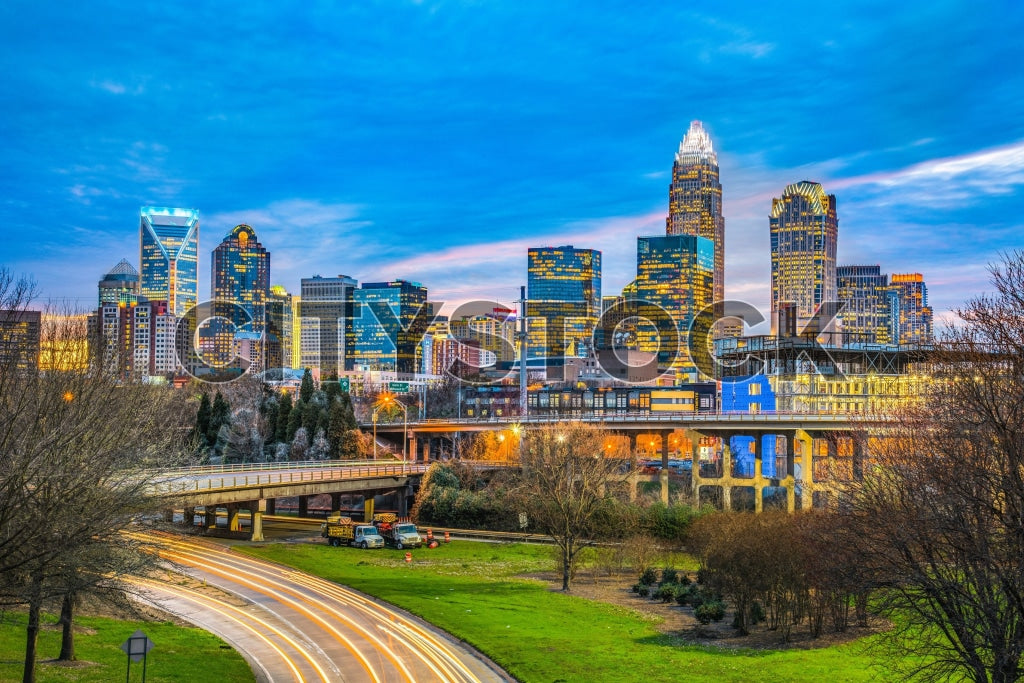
(436, 141)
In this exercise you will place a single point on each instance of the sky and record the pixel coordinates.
(437, 141)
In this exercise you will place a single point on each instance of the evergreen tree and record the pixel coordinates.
(270, 410)
(336, 428)
(306, 388)
(311, 417)
(331, 387)
(284, 410)
(350, 415)
(220, 415)
(349, 449)
(294, 421)
(202, 419)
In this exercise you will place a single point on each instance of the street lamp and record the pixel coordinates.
(387, 401)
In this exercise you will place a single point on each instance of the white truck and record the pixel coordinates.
(340, 530)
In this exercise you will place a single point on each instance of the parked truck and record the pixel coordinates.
(397, 534)
(340, 530)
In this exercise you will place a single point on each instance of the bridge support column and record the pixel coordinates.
(210, 517)
(271, 506)
(804, 443)
(303, 506)
(726, 497)
(758, 497)
(695, 478)
(633, 483)
(663, 478)
(169, 516)
(234, 524)
(403, 501)
(188, 519)
(256, 509)
(335, 502)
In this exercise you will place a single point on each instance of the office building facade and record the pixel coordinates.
(390, 319)
(695, 199)
(672, 296)
(241, 288)
(563, 301)
(804, 232)
(325, 310)
(169, 257)
(864, 296)
(911, 316)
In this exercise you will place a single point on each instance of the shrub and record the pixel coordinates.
(684, 580)
(669, 575)
(756, 613)
(683, 596)
(710, 611)
(636, 587)
(667, 592)
(644, 590)
(649, 577)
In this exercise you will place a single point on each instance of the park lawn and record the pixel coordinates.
(180, 654)
(470, 590)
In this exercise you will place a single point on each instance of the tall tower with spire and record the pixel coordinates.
(695, 199)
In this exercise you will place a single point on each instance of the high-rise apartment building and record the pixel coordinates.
(169, 257)
(563, 300)
(804, 231)
(325, 322)
(240, 287)
(911, 315)
(389, 323)
(695, 199)
(120, 285)
(672, 295)
(494, 332)
(864, 295)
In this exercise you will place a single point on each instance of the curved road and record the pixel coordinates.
(293, 626)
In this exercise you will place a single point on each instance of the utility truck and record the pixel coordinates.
(397, 534)
(340, 530)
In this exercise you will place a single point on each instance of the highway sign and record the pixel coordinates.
(345, 385)
(399, 387)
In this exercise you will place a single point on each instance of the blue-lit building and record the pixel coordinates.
(673, 294)
(241, 287)
(563, 300)
(169, 257)
(389, 321)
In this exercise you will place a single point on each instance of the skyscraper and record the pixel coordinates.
(168, 256)
(120, 285)
(804, 231)
(695, 198)
(389, 323)
(672, 294)
(281, 323)
(912, 316)
(864, 294)
(325, 311)
(563, 300)
(241, 286)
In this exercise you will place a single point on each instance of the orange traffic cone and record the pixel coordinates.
(408, 557)
(447, 538)
(430, 534)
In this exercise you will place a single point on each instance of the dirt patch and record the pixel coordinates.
(678, 621)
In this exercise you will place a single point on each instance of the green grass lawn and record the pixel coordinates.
(180, 655)
(471, 590)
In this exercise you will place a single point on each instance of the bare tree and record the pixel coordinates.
(940, 515)
(77, 452)
(564, 483)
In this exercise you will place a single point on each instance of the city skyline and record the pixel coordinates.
(439, 154)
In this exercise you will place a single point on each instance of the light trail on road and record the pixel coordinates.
(343, 635)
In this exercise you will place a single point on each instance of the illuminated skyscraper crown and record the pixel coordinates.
(696, 146)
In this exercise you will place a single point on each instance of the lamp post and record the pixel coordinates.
(384, 402)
